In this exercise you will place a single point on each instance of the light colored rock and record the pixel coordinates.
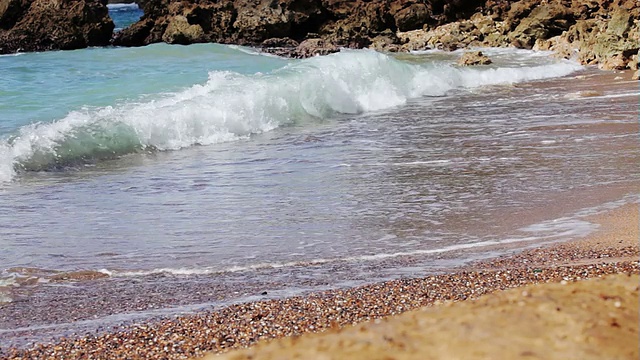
(619, 23)
(179, 31)
(471, 58)
(615, 62)
(543, 21)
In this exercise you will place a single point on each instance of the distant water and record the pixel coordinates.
(123, 15)
(217, 161)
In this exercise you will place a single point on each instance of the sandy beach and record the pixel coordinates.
(613, 249)
(578, 320)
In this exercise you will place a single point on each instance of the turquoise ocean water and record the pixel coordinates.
(218, 165)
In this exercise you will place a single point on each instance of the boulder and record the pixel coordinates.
(314, 47)
(259, 20)
(472, 58)
(365, 21)
(412, 17)
(138, 34)
(39, 25)
(386, 41)
(180, 31)
(543, 22)
(616, 62)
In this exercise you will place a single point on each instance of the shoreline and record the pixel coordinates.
(612, 249)
(601, 32)
(76, 301)
(591, 319)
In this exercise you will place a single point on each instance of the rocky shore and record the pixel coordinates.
(41, 25)
(602, 32)
(613, 250)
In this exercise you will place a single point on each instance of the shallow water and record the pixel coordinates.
(125, 14)
(287, 175)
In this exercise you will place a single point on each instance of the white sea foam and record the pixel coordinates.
(540, 233)
(11, 55)
(253, 51)
(130, 6)
(5, 298)
(559, 229)
(9, 281)
(231, 106)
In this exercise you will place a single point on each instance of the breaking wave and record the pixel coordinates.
(123, 6)
(231, 106)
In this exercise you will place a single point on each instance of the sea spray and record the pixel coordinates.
(230, 106)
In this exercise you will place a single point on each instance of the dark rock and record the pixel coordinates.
(38, 25)
(412, 17)
(137, 34)
(240, 22)
(386, 41)
(259, 20)
(364, 21)
(11, 11)
(280, 43)
(351, 24)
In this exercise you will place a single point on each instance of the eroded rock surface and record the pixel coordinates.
(599, 32)
(39, 25)
(339, 22)
(471, 58)
(604, 32)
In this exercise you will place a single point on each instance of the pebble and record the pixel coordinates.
(242, 325)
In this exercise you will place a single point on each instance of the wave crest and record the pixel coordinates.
(230, 106)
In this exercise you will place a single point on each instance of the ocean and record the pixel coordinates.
(208, 174)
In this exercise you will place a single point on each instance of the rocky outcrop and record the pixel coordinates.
(238, 22)
(340, 22)
(471, 58)
(602, 32)
(38, 25)
(592, 31)
(612, 41)
(314, 47)
(479, 30)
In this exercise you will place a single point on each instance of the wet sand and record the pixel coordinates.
(611, 250)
